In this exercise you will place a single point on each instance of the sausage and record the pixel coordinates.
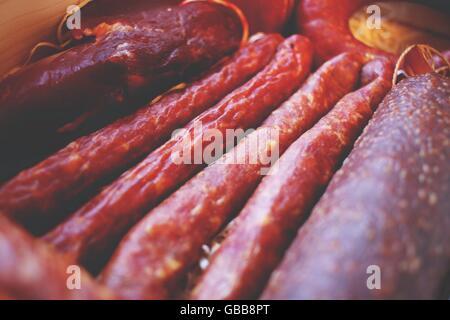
(381, 228)
(325, 22)
(203, 205)
(262, 15)
(253, 247)
(94, 230)
(29, 269)
(109, 12)
(37, 196)
(127, 65)
(266, 15)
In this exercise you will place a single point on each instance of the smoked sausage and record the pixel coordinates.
(256, 240)
(266, 15)
(168, 240)
(380, 231)
(94, 230)
(127, 65)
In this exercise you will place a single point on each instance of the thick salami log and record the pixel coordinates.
(381, 230)
(168, 240)
(325, 22)
(259, 236)
(29, 269)
(94, 230)
(128, 64)
(108, 12)
(37, 196)
(262, 15)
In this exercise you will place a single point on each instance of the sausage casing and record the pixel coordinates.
(254, 245)
(381, 228)
(96, 227)
(37, 196)
(160, 243)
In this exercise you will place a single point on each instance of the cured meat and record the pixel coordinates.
(37, 196)
(127, 64)
(94, 230)
(163, 247)
(381, 228)
(31, 270)
(258, 237)
(266, 15)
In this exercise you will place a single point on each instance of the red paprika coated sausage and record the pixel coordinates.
(37, 196)
(381, 228)
(168, 240)
(109, 12)
(94, 230)
(259, 236)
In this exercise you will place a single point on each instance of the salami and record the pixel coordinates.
(262, 15)
(29, 269)
(37, 196)
(94, 230)
(108, 12)
(325, 22)
(381, 228)
(127, 64)
(168, 240)
(258, 237)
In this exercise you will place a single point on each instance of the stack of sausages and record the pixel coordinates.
(361, 181)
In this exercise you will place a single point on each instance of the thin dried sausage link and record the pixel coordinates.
(94, 230)
(259, 236)
(202, 206)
